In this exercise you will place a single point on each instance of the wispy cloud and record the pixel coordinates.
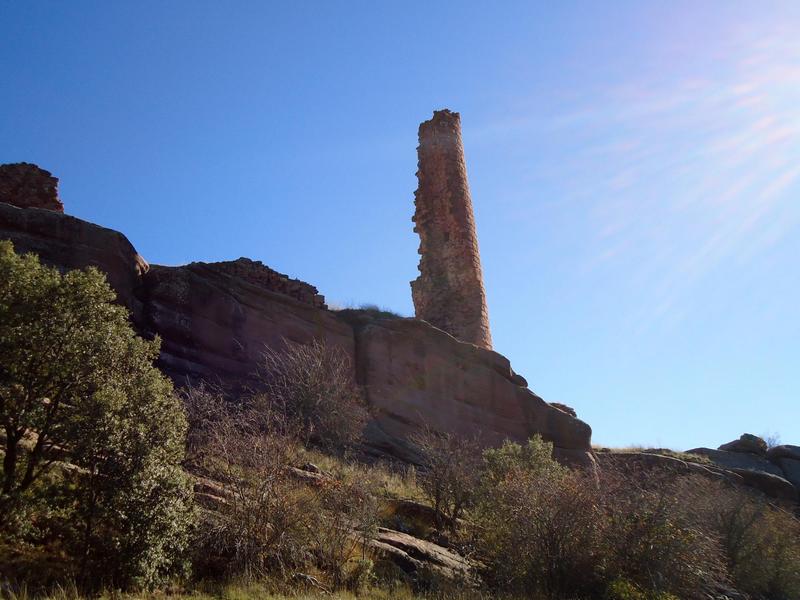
(690, 173)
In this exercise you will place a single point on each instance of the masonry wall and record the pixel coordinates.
(449, 291)
(28, 186)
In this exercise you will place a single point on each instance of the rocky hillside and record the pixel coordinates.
(216, 318)
(746, 461)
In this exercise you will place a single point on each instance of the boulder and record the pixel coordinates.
(784, 451)
(738, 460)
(420, 559)
(791, 470)
(748, 443)
(69, 243)
(416, 375)
(410, 516)
(772, 485)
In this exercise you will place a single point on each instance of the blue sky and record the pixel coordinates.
(635, 171)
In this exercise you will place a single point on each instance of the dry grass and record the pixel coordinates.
(245, 591)
(394, 481)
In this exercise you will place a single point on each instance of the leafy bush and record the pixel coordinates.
(543, 528)
(94, 436)
(537, 522)
(535, 458)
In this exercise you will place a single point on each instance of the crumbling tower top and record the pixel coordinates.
(449, 291)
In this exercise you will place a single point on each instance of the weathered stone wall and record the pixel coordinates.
(257, 273)
(449, 291)
(27, 186)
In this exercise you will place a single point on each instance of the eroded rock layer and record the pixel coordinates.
(449, 291)
(257, 273)
(215, 323)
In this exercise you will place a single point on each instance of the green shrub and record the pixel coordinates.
(535, 458)
(94, 436)
(536, 523)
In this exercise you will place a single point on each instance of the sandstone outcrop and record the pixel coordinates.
(215, 324)
(417, 375)
(421, 559)
(28, 186)
(738, 460)
(791, 470)
(449, 291)
(746, 443)
(784, 451)
(774, 486)
(773, 482)
(215, 319)
(258, 274)
(774, 471)
(69, 243)
(650, 460)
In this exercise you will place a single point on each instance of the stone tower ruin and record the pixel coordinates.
(449, 291)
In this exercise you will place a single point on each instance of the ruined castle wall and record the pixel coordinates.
(257, 273)
(27, 186)
(449, 291)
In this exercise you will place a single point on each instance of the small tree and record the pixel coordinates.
(313, 384)
(451, 473)
(78, 386)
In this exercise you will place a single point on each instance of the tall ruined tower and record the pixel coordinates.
(449, 291)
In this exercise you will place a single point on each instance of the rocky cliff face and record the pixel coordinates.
(70, 243)
(215, 318)
(746, 461)
(416, 375)
(214, 323)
